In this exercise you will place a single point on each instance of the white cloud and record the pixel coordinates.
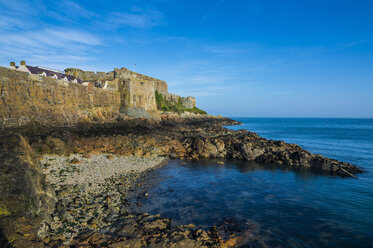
(57, 46)
(9, 22)
(74, 9)
(138, 18)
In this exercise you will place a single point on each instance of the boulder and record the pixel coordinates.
(135, 112)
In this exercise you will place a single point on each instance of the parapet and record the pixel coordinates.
(89, 75)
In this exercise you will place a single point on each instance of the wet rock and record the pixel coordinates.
(158, 224)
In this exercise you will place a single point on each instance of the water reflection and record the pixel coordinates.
(283, 207)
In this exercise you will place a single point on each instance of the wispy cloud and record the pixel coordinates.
(212, 9)
(68, 39)
(60, 36)
(352, 44)
(45, 46)
(71, 8)
(138, 18)
(17, 6)
(9, 22)
(223, 51)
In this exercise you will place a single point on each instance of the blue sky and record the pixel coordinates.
(238, 57)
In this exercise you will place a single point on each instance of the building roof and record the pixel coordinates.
(38, 70)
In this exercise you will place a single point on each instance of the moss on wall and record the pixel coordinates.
(170, 106)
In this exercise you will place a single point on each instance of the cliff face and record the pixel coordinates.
(28, 98)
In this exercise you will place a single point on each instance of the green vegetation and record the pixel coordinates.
(4, 211)
(159, 99)
(163, 104)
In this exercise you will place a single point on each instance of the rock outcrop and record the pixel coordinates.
(27, 200)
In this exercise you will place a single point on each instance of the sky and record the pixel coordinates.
(254, 58)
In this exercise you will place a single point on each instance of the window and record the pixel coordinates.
(54, 76)
(44, 74)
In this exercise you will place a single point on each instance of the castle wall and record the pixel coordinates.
(136, 90)
(157, 84)
(28, 98)
(141, 94)
(89, 75)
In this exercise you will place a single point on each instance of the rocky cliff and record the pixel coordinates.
(27, 199)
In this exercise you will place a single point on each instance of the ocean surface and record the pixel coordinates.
(285, 208)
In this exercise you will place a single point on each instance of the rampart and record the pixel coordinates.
(31, 98)
(123, 73)
(27, 98)
(89, 75)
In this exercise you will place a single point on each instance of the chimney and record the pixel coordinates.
(12, 65)
(22, 67)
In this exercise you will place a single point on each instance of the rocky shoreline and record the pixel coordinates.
(67, 186)
(91, 210)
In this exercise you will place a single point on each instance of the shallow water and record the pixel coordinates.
(285, 208)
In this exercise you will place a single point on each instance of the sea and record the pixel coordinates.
(281, 207)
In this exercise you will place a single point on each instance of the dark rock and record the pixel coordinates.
(24, 192)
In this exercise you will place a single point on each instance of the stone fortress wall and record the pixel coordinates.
(137, 90)
(28, 98)
(122, 73)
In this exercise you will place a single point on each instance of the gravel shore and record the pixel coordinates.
(91, 171)
(91, 192)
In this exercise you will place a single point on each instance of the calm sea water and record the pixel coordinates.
(283, 207)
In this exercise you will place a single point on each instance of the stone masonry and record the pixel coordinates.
(27, 98)
(137, 91)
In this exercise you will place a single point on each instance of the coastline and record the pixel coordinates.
(193, 137)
